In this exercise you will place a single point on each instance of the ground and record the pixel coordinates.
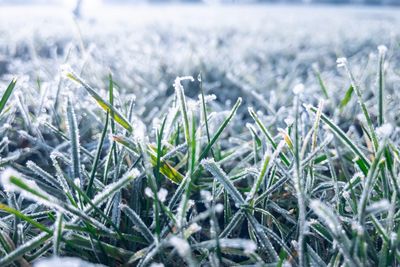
(299, 148)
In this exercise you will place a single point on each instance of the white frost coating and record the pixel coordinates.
(341, 62)
(5, 179)
(250, 247)
(190, 203)
(109, 189)
(382, 49)
(381, 205)
(207, 98)
(181, 246)
(140, 130)
(64, 262)
(206, 195)
(355, 226)
(325, 213)
(312, 221)
(66, 70)
(219, 208)
(295, 244)
(183, 78)
(194, 228)
(393, 236)
(156, 264)
(77, 182)
(385, 130)
(298, 89)
(39, 196)
(192, 105)
(289, 121)
(307, 107)
(148, 192)
(162, 194)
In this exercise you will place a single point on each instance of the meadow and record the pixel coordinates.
(200, 136)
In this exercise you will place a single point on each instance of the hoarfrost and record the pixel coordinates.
(181, 246)
(382, 49)
(162, 194)
(385, 130)
(341, 62)
(298, 89)
(65, 262)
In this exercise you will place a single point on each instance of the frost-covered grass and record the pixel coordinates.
(280, 148)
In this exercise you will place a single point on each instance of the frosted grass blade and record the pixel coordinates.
(105, 105)
(7, 94)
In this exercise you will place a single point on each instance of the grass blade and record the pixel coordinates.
(7, 94)
(105, 105)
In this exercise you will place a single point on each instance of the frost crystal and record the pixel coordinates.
(148, 192)
(207, 99)
(298, 89)
(382, 49)
(250, 247)
(385, 130)
(5, 179)
(77, 182)
(64, 262)
(162, 194)
(181, 246)
(206, 195)
(194, 228)
(341, 62)
(156, 264)
(295, 244)
(393, 236)
(357, 227)
(289, 121)
(66, 70)
(190, 203)
(219, 208)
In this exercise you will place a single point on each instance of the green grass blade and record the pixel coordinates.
(381, 83)
(342, 136)
(220, 130)
(74, 137)
(25, 218)
(23, 249)
(220, 175)
(97, 157)
(58, 229)
(347, 97)
(105, 105)
(343, 63)
(137, 221)
(264, 130)
(7, 94)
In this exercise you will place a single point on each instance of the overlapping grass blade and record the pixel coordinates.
(105, 105)
(137, 221)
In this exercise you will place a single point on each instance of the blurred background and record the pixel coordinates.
(356, 2)
(249, 48)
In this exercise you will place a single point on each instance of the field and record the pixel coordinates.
(200, 136)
